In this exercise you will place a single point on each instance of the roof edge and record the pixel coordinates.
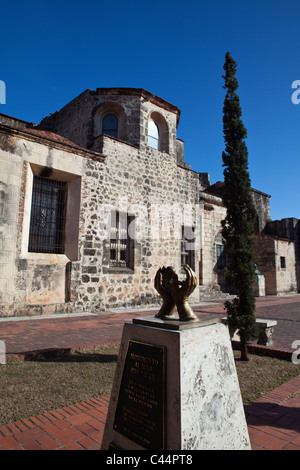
(70, 147)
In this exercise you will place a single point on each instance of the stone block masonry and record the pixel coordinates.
(127, 177)
(112, 180)
(123, 184)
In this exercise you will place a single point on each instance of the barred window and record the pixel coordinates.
(48, 214)
(188, 247)
(121, 243)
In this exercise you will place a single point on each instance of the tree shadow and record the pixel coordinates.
(274, 415)
(67, 355)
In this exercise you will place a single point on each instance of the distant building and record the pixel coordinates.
(98, 196)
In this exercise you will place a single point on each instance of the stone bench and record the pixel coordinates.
(266, 328)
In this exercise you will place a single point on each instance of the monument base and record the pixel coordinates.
(175, 388)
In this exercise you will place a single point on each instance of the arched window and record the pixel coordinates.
(153, 135)
(110, 125)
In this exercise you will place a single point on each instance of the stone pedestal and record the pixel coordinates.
(175, 388)
(266, 328)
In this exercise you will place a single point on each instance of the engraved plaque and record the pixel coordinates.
(140, 412)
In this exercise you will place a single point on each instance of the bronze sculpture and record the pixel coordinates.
(175, 293)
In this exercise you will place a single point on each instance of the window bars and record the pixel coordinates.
(187, 246)
(121, 245)
(48, 213)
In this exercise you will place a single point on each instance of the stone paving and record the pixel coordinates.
(273, 420)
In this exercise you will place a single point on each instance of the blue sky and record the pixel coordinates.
(51, 51)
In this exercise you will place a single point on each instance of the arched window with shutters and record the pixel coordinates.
(110, 125)
(153, 135)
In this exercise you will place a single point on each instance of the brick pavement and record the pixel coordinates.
(75, 427)
(273, 424)
(273, 420)
(25, 338)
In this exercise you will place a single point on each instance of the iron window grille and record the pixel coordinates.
(187, 247)
(121, 244)
(48, 214)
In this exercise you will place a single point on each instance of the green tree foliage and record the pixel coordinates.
(238, 226)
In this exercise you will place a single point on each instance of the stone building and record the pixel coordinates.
(98, 196)
(282, 238)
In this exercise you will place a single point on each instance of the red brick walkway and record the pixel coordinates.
(32, 336)
(273, 420)
(75, 427)
(273, 424)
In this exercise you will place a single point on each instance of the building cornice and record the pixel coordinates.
(50, 139)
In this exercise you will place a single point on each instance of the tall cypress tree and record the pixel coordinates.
(238, 226)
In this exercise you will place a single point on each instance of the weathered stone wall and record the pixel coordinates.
(149, 185)
(31, 282)
(261, 201)
(144, 182)
(268, 253)
(285, 275)
(10, 183)
(72, 121)
(14, 122)
(213, 214)
(284, 228)
(289, 229)
(105, 175)
(79, 120)
(265, 260)
(262, 205)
